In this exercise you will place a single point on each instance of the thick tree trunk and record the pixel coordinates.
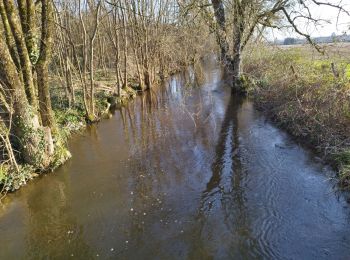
(221, 38)
(26, 66)
(238, 30)
(33, 141)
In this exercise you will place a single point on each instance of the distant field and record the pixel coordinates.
(341, 50)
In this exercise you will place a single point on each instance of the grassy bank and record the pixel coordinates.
(308, 94)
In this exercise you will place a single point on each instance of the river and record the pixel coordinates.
(186, 171)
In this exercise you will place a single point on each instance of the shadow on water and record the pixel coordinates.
(227, 188)
(226, 150)
(187, 171)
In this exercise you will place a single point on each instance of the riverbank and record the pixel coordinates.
(70, 118)
(307, 94)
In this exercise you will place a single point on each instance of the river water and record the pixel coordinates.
(187, 171)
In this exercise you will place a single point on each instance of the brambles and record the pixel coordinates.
(301, 91)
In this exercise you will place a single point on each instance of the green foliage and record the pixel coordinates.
(34, 55)
(101, 102)
(343, 157)
(13, 179)
(343, 162)
(344, 174)
(34, 49)
(246, 84)
(69, 120)
(3, 173)
(61, 155)
(347, 71)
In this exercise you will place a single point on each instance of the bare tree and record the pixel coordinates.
(248, 17)
(134, 43)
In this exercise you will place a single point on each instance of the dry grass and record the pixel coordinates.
(307, 95)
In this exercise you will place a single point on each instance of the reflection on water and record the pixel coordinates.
(187, 171)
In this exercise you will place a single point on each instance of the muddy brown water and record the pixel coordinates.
(187, 171)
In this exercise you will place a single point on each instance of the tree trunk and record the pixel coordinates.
(220, 31)
(27, 16)
(33, 141)
(45, 107)
(26, 66)
(42, 66)
(238, 30)
(236, 65)
(125, 51)
(69, 82)
(92, 116)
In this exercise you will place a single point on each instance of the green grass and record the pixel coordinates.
(343, 161)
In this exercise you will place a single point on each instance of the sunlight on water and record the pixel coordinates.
(187, 171)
